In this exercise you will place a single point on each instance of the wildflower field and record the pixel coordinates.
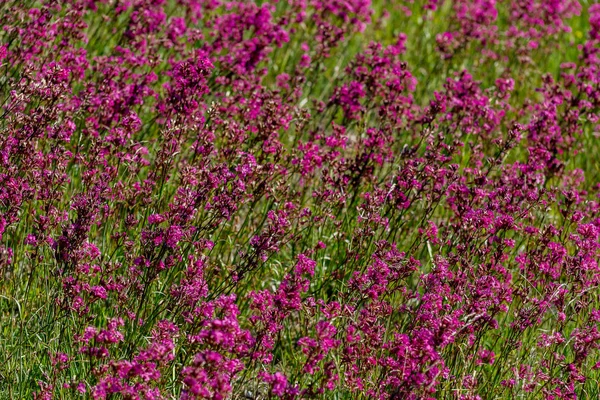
(303, 199)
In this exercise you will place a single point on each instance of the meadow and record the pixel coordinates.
(302, 199)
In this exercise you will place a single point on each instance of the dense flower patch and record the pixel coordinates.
(210, 199)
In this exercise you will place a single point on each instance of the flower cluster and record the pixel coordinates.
(214, 199)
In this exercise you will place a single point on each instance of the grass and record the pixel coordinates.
(33, 326)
